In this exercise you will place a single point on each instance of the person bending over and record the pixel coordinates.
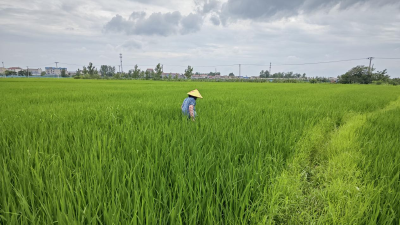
(189, 104)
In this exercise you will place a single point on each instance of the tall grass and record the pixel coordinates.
(90, 152)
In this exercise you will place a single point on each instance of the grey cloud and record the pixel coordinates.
(269, 9)
(163, 24)
(137, 15)
(210, 5)
(156, 24)
(191, 23)
(118, 24)
(215, 20)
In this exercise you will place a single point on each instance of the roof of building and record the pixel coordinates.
(13, 68)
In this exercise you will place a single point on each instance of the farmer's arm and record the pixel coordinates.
(191, 111)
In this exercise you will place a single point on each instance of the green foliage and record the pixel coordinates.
(231, 74)
(136, 72)
(10, 73)
(264, 74)
(107, 71)
(91, 69)
(358, 75)
(381, 76)
(394, 81)
(142, 74)
(84, 70)
(24, 73)
(157, 72)
(119, 152)
(78, 74)
(189, 72)
(63, 73)
(43, 73)
(148, 75)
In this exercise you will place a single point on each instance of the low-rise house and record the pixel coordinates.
(202, 76)
(55, 70)
(2, 70)
(170, 75)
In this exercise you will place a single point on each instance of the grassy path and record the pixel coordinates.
(326, 181)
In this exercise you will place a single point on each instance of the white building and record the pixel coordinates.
(35, 72)
(55, 70)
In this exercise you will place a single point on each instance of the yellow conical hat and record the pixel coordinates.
(195, 93)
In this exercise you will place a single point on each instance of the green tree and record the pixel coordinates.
(142, 74)
(63, 73)
(42, 73)
(264, 74)
(358, 74)
(136, 72)
(78, 74)
(381, 76)
(157, 72)
(24, 73)
(231, 74)
(10, 73)
(103, 70)
(147, 74)
(91, 69)
(84, 71)
(189, 72)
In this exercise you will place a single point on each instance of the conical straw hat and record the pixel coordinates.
(195, 93)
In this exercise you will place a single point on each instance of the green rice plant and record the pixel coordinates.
(107, 151)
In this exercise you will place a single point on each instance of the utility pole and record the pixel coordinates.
(162, 68)
(240, 70)
(58, 75)
(3, 64)
(119, 68)
(369, 68)
(120, 56)
(270, 68)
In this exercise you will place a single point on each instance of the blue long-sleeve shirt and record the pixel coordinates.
(188, 102)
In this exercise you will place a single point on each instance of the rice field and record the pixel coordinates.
(120, 152)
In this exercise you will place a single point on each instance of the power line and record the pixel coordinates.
(325, 62)
(384, 58)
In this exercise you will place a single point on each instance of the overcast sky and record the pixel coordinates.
(206, 34)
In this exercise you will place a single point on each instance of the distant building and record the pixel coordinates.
(200, 76)
(15, 69)
(55, 70)
(35, 72)
(170, 75)
(150, 70)
(2, 70)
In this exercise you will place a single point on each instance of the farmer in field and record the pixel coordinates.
(189, 104)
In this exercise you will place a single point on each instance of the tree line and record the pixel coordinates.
(106, 71)
(364, 75)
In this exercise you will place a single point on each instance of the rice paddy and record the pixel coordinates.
(120, 152)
